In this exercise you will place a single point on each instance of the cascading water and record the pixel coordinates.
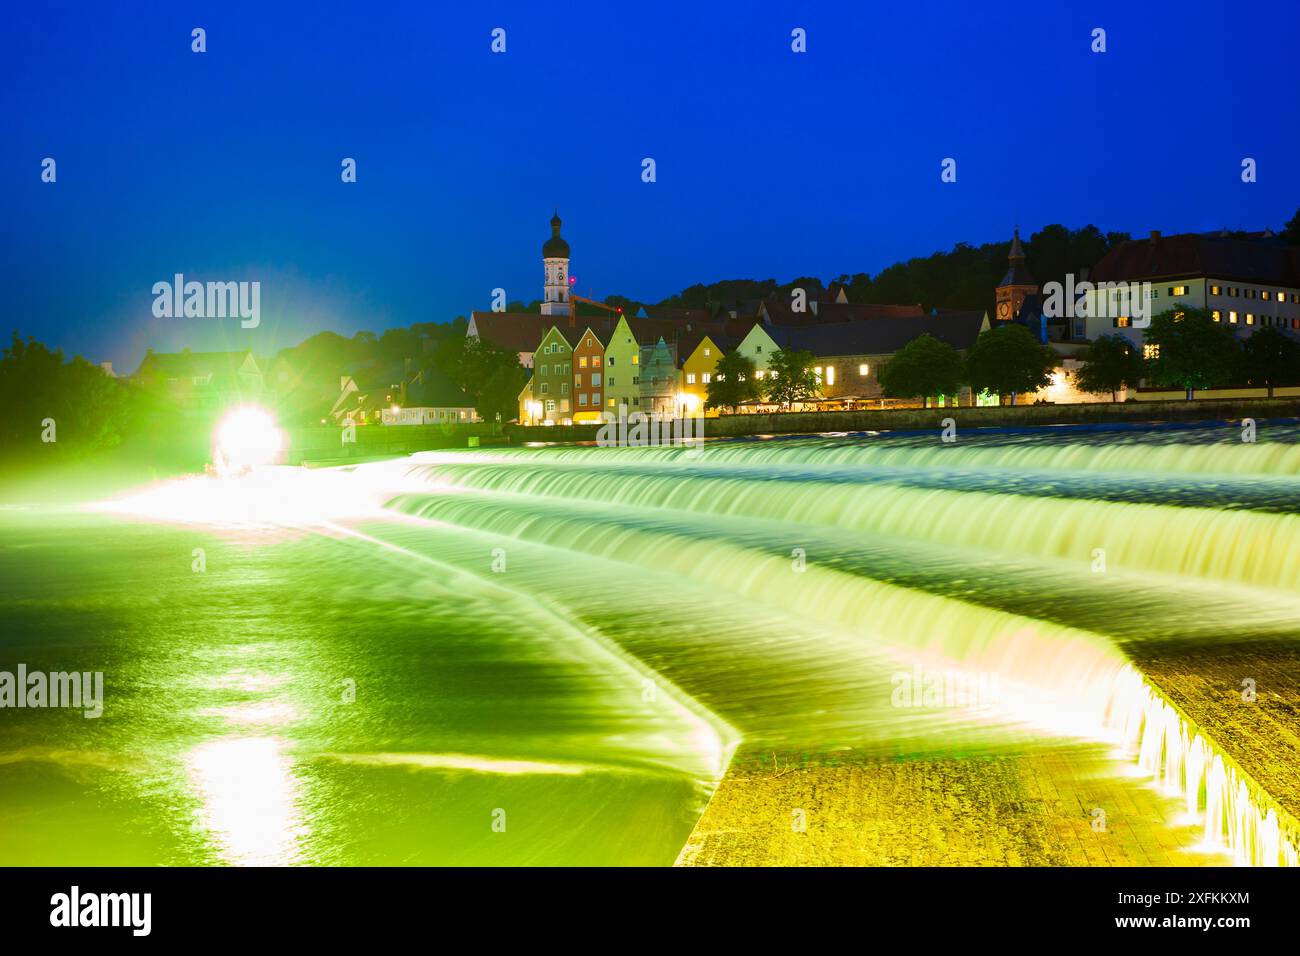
(779, 591)
(1237, 813)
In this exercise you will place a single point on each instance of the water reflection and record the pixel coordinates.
(250, 799)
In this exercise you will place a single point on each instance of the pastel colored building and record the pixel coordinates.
(552, 383)
(588, 378)
(660, 380)
(698, 369)
(622, 384)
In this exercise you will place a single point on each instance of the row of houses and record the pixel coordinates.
(660, 362)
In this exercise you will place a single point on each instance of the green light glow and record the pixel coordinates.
(246, 438)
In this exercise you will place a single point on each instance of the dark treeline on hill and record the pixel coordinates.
(961, 278)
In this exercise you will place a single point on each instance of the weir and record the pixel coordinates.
(1237, 812)
(778, 585)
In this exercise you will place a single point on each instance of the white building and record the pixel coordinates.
(1248, 282)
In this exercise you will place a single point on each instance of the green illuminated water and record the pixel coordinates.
(575, 641)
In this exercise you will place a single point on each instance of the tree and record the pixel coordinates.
(790, 377)
(1009, 360)
(1271, 357)
(1111, 362)
(1191, 350)
(489, 374)
(1292, 230)
(733, 382)
(90, 410)
(924, 366)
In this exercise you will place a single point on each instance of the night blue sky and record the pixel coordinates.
(225, 166)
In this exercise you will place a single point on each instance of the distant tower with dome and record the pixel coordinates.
(555, 260)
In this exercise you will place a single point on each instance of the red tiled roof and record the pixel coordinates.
(781, 312)
(516, 331)
(694, 316)
(1190, 255)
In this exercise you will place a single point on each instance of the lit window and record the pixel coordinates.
(818, 372)
(690, 378)
(758, 373)
(1265, 295)
(636, 360)
(1217, 315)
(1121, 322)
(708, 352)
(1214, 290)
(1151, 351)
(864, 370)
(830, 374)
(1250, 318)
(704, 377)
(1178, 290)
(610, 403)
(582, 362)
(1232, 316)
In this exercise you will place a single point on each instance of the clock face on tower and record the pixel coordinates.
(1003, 309)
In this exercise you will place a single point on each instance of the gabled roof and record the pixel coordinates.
(694, 316)
(780, 312)
(880, 336)
(187, 364)
(687, 344)
(516, 331)
(1192, 255)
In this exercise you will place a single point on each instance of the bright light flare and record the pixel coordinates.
(246, 438)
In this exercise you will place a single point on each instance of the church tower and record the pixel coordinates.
(1017, 284)
(555, 260)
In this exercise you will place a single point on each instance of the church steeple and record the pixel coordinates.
(1017, 284)
(555, 264)
(1017, 253)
